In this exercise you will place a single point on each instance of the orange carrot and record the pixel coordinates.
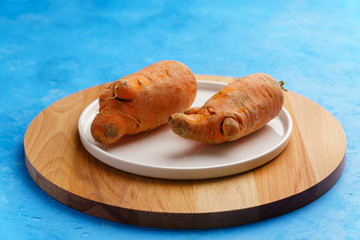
(143, 100)
(242, 107)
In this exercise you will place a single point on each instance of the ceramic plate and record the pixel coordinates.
(162, 154)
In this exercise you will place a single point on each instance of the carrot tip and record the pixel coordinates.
(230, 128)
(110, 130)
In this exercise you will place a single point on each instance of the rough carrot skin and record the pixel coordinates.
(242, 107)
(143, 100)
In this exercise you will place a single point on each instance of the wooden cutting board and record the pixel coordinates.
(309, 166)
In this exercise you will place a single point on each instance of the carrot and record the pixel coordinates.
(242, 107)
(143, 100)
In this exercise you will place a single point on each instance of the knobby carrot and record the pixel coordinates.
(242, 107)
(143, 100)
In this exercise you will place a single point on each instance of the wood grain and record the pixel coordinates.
(308, 167)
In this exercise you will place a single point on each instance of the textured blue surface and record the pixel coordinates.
(50, 49)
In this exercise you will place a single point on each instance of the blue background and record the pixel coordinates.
(50, 49)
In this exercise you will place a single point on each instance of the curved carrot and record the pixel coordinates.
(143, 100)
(239, 109)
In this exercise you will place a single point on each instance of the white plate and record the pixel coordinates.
(162, 154)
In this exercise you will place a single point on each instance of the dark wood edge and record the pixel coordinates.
(185, 220)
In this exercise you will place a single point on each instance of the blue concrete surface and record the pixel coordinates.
(50, 49)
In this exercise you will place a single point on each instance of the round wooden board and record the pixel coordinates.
(309, 166)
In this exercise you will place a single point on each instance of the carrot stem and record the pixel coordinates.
(282, 83)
